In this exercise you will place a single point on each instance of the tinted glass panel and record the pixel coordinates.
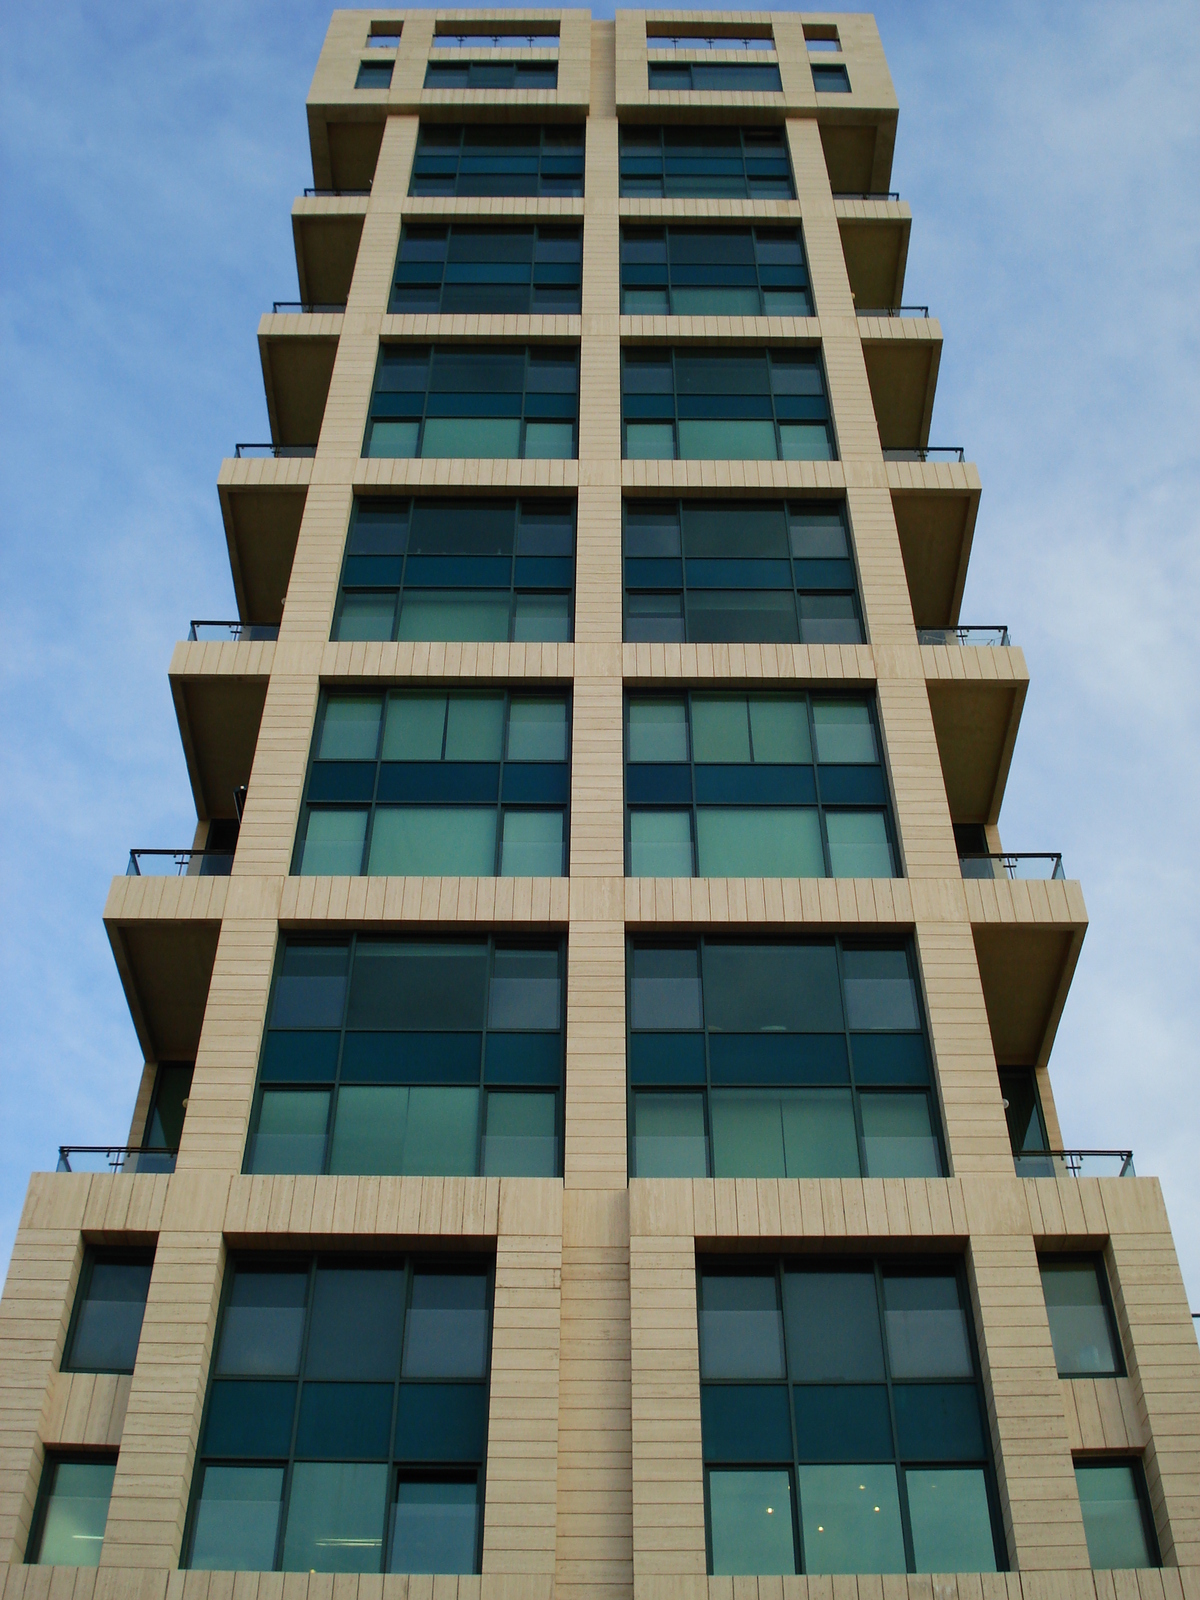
(108, 1314)
(1113, 1516)
(1081, 1325)
(74, 1512)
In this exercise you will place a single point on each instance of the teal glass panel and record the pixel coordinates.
(714, 302)
(350, 728)
(250, 1420)
(532, 845)
(442, 1133)
(649, 441)
(414, 727)
(520, 1136)
(832, 1327)
(665, 988)
(786, 303)
(291, 1131)
(433, 841)
(335, 1517)
(845, 735)
(926, 1330)
(819, 1136)
(1112, 1516)
(880, 993)
(747, 1134)
(549, 441)
(843, 1422)
(645, 303)
(76, 1513)
(817, 532)
(858, 844)
(474, 727)
(804, 441)
(720, 728)
(660, 844)
(435, 1527)
(668, 1137)
(237, 1519)
(108, 1323)
(726, 440)
(263, 1326)
(493, 437)
(446, 1329)
(542, 618)
(1080, 1328)
(751, 1520)
(950, 1519)
(658, 730)
(333, 844)
(741, 1329)
(898, 1140)
(779, 725)
(537, 730)
(850, 1519)
(773, 988)
(451, 614)
(366, 616)
(763, 842)
(368, 1130)
(421, 987)
(393, 440)
(525, 991)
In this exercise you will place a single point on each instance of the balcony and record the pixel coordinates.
(219, 692)
(973, 636)
(976, 696)
(163, 932)
(1028, 932)
(920, 313)
(204, 632)
(858, 146)
(297, 354)
(344, 145)
(935, 501)
(902, 355)
(179, 864)
(1075, 1164)
(307, 308)
(262, 505)
(274, 452)
(326, 230)
(874, 231)
(929, 452)
(141, 1159)
(1045, 864)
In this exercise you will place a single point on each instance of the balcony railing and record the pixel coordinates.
(179, 864)
(205, 632)
(1026, 864)
(933, 452)
(1075, 1164)
(883, 194)
(689, 41)
(281, 452)
(337, 194)
(308, 307)
(978, 633)
(893, 311)
(115, 1158)
(495, 41)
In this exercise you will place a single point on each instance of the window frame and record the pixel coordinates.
(520, 70)
(517, 226)
(840, 943)
(351, 941)
(722, 70)
(373, 70)
(570, 186)
(1094, 1259)
(311, 1261)
(912, 1266)
(719, 225)
(94, 1256)
(1137, 1465)
(665, 192)
(53, 1458)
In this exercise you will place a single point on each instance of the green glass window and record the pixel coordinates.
(747, 404)
(71, 1512)
(472, 401)
(393, 1056)
(374, 75)
(164, 1119)
(409, 783)
(1082, 1326)
(346, 1423)
(711, 162)
(1116, 1515)
(830, 79)
(109, 1306)
(470, 268)
(695, 272)
(785, 1060)
(745, 571)
(1026, 1123)
(716, 77)
(491, 75)
(489, 158)
(459, 570)
(843, 1422)
(721, 785)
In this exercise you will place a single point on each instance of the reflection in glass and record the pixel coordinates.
(237, 1519)
(751, 1520)
(951, 1522)
(76, 1513)
(850, 1518)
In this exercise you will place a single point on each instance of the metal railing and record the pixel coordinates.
(688, 41)
(893, 311)
(204, 631)
(1003, 864)
(311, 308)
(1075, 1164)
(495, 41)
(883, 194)
(933, 452)
(281, 452)
(337, 194)
(179, 863)
(115, 1158)
(978, 633)
(383, 41)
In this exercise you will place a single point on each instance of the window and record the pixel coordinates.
(164, 1120)
(843, 1422)
(487, 159)
(1116, 1515)
(394, 1056)
(752, 786)
(384, 35)
(346, 1424)
(718, 405)
(458, 569)
(71, 1511)
(374, 75)
(477, 400)
(110, 1303)
(1083, 1329)
(1026, 1123)
(436, 785)
(494, 270)
(721, 77)
(710, 272)
(774, 1060)
(491, 75)
(678, 162)
(762, 571)
(821, 36)
(830, 80)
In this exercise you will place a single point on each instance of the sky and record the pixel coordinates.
(149, 156)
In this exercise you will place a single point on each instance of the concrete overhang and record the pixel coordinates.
(326, 231)
(163, 933)
(902, 356)
(858, 149)
(875, 235)
(262, 504)
(298, 352)
(345, 143)
(1028, 934)
(219, 692)
(935, 505)
(976, 696)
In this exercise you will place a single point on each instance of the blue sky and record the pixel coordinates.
(150, 155)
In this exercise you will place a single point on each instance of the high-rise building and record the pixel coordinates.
(596, 1130)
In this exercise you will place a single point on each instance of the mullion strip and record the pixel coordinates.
(816, 765)
(285, 1499)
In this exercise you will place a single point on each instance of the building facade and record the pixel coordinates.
(596, 1133)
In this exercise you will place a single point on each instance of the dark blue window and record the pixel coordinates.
(722, 77)
(496, 159)
(109, 1306)
(491, 75)
(830, 80)
(346, 1423)
(710, 162)
(534, 270)
(374, 75)
(458, 569)
(714, 272)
